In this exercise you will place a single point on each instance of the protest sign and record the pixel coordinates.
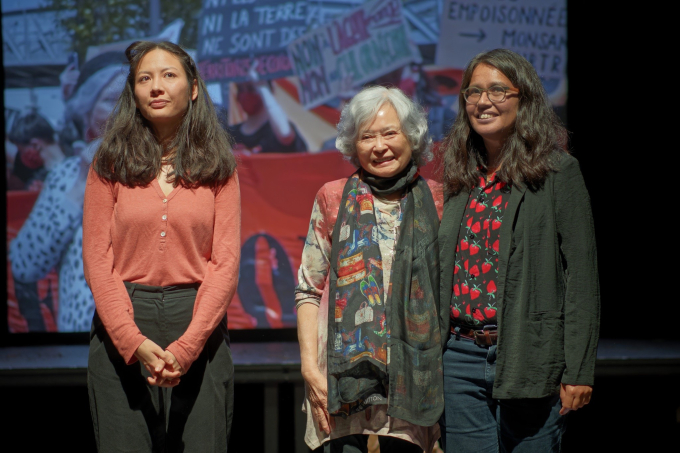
(350, 50)
(236, 34)
(536, 29)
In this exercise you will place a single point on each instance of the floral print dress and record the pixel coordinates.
(313, 288)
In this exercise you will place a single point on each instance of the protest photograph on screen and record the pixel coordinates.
(279, 74)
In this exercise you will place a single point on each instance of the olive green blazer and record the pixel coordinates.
(548, 299)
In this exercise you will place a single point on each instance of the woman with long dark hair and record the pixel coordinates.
(519, 290)
(161, 238)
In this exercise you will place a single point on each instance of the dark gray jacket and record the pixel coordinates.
(548, 296)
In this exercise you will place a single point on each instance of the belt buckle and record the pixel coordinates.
(485, 335)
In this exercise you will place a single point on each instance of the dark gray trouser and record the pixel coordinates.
(132, 416)
(358, 443)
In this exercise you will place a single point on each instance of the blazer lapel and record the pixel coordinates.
(516, 196)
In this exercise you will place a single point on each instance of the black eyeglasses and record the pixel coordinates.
(495, 93)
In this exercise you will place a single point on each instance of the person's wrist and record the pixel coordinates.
(310, 373)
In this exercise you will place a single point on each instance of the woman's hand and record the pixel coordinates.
(151, 355)
(163, 366)
(574, 397)
(318, 399)
(317, 385)
(171, 372)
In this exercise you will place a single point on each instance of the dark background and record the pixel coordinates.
(621, 139)
(623, 146)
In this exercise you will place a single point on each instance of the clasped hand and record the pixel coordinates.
(162, 364)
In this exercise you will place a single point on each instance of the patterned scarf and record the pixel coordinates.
(383, 343)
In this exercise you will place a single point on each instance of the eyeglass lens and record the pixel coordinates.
(496, 93)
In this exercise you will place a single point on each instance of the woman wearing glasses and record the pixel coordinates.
(519, 289)
(368, 291)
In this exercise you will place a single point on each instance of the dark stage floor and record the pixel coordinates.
(626, 414)
(635, 405)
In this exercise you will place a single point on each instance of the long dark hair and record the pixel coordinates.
(130, 154)
(529, 153)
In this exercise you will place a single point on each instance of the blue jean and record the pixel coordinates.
(473, 421)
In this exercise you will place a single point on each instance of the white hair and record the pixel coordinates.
(83, 101)
(364, 107)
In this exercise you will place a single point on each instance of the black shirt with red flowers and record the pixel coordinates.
(473, 303)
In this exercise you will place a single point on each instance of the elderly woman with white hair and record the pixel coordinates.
(367, 297)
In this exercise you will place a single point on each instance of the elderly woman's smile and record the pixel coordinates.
(382, 149)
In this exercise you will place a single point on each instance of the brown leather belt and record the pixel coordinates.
(486, 337)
